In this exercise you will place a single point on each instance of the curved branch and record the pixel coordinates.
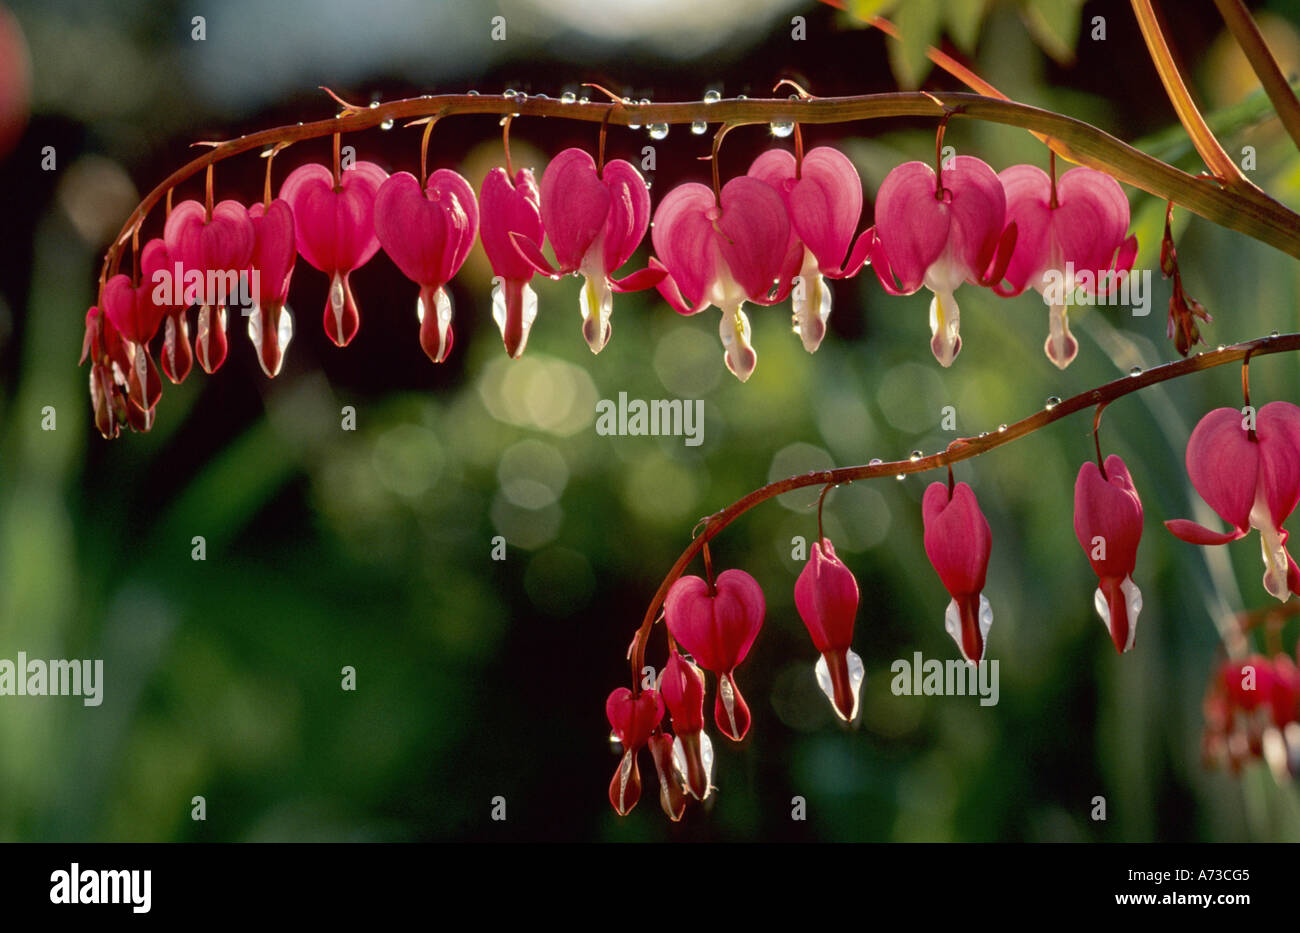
(963, 449)
(1248, 211)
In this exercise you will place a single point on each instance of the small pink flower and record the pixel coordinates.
(1080, 241)
(1108, 524)
(270, 325)
(722, 252)
(136, 315)
(428, 233)
(823, 197)
(826, 595)
(219, 247)
(633, 719)
(595, 221)
(672, 793)
(109, 364)
(335, 231)
(681, 684)
(940, 236)
(958, 543)
(717, 624)
(1252, 480)
(176, 357)
(511, 210)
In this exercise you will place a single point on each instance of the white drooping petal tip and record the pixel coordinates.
(952, 625)
(857, 675)
(596, 302)
(706, 758)
(528, 315)
(1133, 605)
(737, 352)
(945, 326)
(812, 308)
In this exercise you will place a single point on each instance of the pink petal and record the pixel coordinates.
(629, 213)
(957, 538)
(274, 250)
(335, 229)
(1278, 430)
(1223, 463)
(754, 233)
(1193, 533)
(428, 234)
(575, 205)
(1028, 194)
(826, 596)
(978, 211)
(718, 628)
(1091, 220)
(826, 205)
(684, 241)
(507, 207)
(911, 226)
(1108, 508)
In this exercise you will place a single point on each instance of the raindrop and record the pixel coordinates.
(1222, 348)
(712, 97)
(584, 99)
(568, 97)
(387, 124)
(916, 455)
(1001, 428)
(742, 97)
(783, 128)
(510, 92)
(875, 461)
(520, 97)
(1274, 334)
(1052, 402)
(699, 127)
(1135, 371)
(900, 477)
(473, 93)
(540, 97)
(658, 130)
(648, 183)
(374, 104)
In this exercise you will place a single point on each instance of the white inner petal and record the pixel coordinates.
(857, 675)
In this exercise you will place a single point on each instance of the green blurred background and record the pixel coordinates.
(479, 678)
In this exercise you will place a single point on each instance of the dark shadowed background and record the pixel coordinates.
(478, 678)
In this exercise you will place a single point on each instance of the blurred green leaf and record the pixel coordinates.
(1054, 25)
(919, 24)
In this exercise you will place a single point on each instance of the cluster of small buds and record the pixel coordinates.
(1252, 712)
(776, 233)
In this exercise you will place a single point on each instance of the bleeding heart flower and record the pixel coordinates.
(1108, 523)
(335, 231)
(1067, 238)
(217, 247)
(109, 363)
(826, 595)
(169, 295)
(958, 543)
(270, 325)
(136, 314)
(717, 624)
(595, 221)
(681, 684)
(823, 197)
(940, 235)
(511, 210)
(428, 233)
(1251, 478)
(633, 719)
(722, 251)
